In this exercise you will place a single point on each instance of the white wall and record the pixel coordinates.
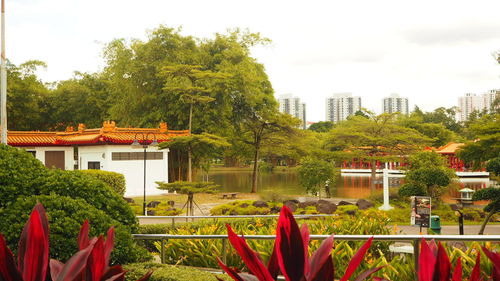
(69, 162)
(133, 170)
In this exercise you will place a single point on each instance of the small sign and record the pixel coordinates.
(420, 211)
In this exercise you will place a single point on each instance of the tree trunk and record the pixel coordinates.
(190, 175)
(255, 169)
(373, 174)
(486, 220)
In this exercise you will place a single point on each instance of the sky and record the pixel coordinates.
(429, 51)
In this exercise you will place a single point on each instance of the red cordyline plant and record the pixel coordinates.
(89, 264)
(435, 265)
(290, 256)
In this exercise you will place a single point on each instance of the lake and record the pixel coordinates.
(348, 186)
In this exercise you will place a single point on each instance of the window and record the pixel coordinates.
(33, 152)
(94, 165)
(126, 156)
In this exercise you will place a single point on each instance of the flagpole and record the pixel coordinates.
(3, 83)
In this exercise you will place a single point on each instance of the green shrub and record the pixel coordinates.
(76, 184)
(408, 189)
(164, 209)
(493, 166)
(266, 167)
(163, 272)
(20, 174)
(66, 216)
(471, 214)
(347, 210)
(115, 180)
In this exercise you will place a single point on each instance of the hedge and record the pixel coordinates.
(115, 180)
(163, 272)
(20, 174)
(66, 216)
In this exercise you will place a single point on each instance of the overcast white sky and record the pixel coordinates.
(429, 51)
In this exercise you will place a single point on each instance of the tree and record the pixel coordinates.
(378, 138)
(260, 127)
(493, 166)
(189, 188)
(439, 134)
(202, 147)
(427, 175)
(486, 144)
(313, 173)
(321, 126)
(491, 194)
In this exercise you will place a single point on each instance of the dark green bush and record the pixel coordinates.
(493, 166)
(20, 174)
(76, 184)
(115, 180)
(163, 272)
(408, 189)
(66, 216)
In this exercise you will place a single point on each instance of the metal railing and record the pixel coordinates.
(414, 239)
(173, 218)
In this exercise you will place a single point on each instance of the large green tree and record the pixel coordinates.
(486, 143)
(491, 194)
(375, 138)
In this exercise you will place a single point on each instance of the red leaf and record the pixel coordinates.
(356, 260)
(433, 247)
(55, 268)
(495, 259)
(108, 246)
(457, 273)
(476, 271)
(325, 273)
(112, 271)
(231, 272)
(290, 246)
(83, 236)
(8, 268)
(426, 262)
(117, 277)
(304, 232)
(367, 273)
(146, 276)
(443, 266)
(249, 257)
(76, 264)
(320, 257)
(33, 252)
(96, 261)
(273, 266)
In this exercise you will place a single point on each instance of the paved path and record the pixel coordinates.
(493, 229)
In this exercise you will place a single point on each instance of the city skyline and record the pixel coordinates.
(370, 49)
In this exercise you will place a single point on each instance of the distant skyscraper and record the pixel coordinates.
(340, 106)
(472, 102)
(292, 105)
(395, 103)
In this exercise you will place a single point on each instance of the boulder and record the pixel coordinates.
(292, 200)
(260, 204)
(275, 210)
(129, 200)
(153, 204)
(364, 204)
(171, 203)
(244, 205)
(233, 213)
(291, 204)
(150, 212)
(343, 203)
(305, 204)
(326, 207)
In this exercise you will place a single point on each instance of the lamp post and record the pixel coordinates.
(143, 143)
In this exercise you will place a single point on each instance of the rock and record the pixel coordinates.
(224, 211)
(153, 204)
(351, 212)
(260, 204)
(326, 207)
(291, 204)
(233, 213)
(275, 210)
(307, 204)
(244, 205)
(343, 203)
(364, 204)
(457, 244)
(150, 212)
(129, 200)
(292, 200)
(171, 203)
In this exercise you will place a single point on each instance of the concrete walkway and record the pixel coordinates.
(491, 229)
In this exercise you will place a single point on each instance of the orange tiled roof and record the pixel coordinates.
(449, 148)
(108, 134)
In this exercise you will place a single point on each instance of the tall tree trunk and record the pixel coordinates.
(486, 220)
(373, 174)
(190, 175)
(255, 168)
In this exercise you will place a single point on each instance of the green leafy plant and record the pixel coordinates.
(115, 180)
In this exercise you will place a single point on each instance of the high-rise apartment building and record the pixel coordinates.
(340, 106)
(472, 102)
(292, 105)
(395, 103)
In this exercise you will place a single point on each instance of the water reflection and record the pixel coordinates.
(348, 185)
